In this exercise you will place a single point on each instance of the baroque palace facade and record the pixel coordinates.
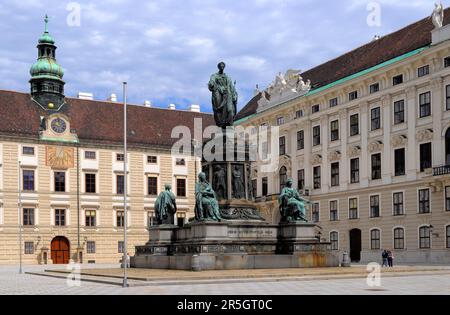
(67, 153)
(367, 139)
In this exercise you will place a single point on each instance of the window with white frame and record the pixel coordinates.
(423, 71)
(447, 198)
(90, 247)
(90, 218)
(315, 212)
(60, 217)
(375, 118)
(354, 125)
(399, 238)
(375, 239)
(425, 237)
(398, 204)
(399, 112)
(448, 236)
(29, 151)
(334, 211)
(375, 206)
(334, 240)
(424, 201)
(353, 209)
(425, 104)
(120, 219)
(29, 248)
(151, 159)
(90, 155)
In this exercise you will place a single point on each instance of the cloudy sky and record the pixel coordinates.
(167, 49)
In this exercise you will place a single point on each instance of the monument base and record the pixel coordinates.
(235, 245)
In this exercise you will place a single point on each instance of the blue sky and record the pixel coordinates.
(167, 49)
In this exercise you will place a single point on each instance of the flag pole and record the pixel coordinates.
(20, 219)
(125, 173)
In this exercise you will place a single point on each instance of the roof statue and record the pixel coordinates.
(438, 15)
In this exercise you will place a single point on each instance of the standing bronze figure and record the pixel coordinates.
(166, 207)
(224, 97)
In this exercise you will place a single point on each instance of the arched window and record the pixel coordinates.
(334, 240)
(425, 237)
(447, 147)
(283, 177)
(399, 238)
(375, 239)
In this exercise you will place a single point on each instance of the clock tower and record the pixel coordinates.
(47, 85)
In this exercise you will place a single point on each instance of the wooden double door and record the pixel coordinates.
(60, 251)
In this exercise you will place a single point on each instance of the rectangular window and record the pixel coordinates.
(424, 201)
(60, 217)
(447, 62)
(354, 125)
(447, 97)
(300, 140)
(448, 236)
(280, 121)
(375, 239)
(376, 166)
(425, 104)
(91, 218)
(89, 155)
(151, 219)
(315, 212)
(181, 187)
(423, 71)
(28, 217)
(399, 112)
(28, 151)
(400, 160)
(398, 204)
(90, 247)
(152, 183)
(317, 177)
(399, 238)
(255, 188)
(180, 162)
(315, 109)
(301, 179)
(28, 180)
(120, 157)
(353, 96)
(265, 186)
(151, 159)
(120, 247)
(397, 80)
(282, 144)
(334, 240)
(425, 156)
(60, 182)
(316, 135)
(353, 209)
(334, 130)
(29, 248)
(447, 198)
(334, 174)
(334, 102)
(354, 171)
(90, 183)
(425, 237)
(120, 189)
(299, 114)
(374, 88)
(375, 206)
(120, 219)
(375, 119)
(334, 212)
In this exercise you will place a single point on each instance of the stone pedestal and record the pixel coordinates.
(234, 245)
(440, 35)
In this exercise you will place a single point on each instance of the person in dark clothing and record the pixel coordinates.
(390, 259)
(385, 257)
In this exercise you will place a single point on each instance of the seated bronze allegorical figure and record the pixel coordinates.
(206, 204)
(292, 205)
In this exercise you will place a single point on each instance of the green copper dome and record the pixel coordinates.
(47, 67)
(46, 38)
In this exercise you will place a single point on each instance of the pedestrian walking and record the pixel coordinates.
(390, 259)
(385, 257)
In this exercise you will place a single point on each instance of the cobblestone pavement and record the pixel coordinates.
(13, 283)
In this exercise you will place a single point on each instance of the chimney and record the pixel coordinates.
(112, 98)
(195, 108)
(85, 96)
(172, 107)
(148, 104)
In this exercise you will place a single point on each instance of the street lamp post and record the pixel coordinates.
(125, 211)
(20, 219)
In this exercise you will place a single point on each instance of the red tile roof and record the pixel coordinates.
(411, 37)
(98, 121)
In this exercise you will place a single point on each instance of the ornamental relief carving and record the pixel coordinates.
(286, 162)
(354, 151)
(399, 140)
(375, 146)
(424, 135)
(334, 156)
(316, 159)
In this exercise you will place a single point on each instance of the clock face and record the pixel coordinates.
(59, 125)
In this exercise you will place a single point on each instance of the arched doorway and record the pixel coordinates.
(60, 250)
(355, 245)
(447, 147)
